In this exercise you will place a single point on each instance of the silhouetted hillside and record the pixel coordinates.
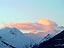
(55, 42)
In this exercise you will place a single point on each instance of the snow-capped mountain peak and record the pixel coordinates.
(13, 37)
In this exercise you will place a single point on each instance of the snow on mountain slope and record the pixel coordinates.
(36, 37)
(56, 42)
(46, 38)
(42, 36)
(13, 37)
(49, 36)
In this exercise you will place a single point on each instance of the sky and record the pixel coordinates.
(17, 11)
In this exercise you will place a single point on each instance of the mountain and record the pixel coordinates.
(40, 36)
(46, 38)
(61, 27)
(56, 42)
(13, 38)
(36, 37)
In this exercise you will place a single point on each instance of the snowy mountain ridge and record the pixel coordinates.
(13, 37)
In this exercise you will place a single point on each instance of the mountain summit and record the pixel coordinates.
(13, 37)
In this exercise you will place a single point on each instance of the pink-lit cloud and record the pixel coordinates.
(41, 25)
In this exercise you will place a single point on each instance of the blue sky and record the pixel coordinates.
(31, 11)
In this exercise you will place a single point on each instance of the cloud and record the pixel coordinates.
(25, 26)
(46, 22)
(41, 25)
